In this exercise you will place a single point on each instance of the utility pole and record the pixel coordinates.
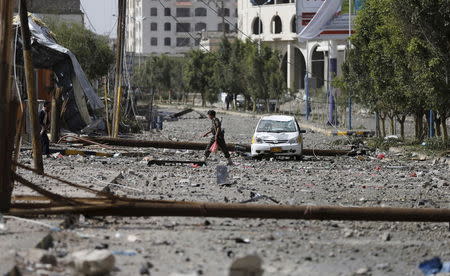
(118, 93)
(223, 18)
(6, 143)
(348, 50)
(31, 92)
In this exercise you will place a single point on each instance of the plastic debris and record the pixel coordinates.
(256, 196)
(381, 156)
(128, 253)
(214, 147)
(57, 155)
(433, 266)
(242, 240)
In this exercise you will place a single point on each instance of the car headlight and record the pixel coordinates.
(296, 140)
(256, 140)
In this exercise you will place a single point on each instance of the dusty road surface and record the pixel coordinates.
(208, 246)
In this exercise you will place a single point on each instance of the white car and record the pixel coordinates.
(277, 136)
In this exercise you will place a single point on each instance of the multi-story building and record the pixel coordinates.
(277, 23)
(174, 26)
(67, 11)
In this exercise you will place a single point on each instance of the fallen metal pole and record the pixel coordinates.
(158, 144)
(220, 210)
(202, 146)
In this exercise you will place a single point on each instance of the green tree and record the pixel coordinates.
(198, 75)
(92, 50)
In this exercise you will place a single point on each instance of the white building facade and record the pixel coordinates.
(275, 23)
(174, 27)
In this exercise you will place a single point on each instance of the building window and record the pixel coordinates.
(200, 12)
(276, 26)
(167, 41)
(294, 24)
(153, 12)
(223, 12)
(153, 26)
(167, 12)
(200, 26)
(220, 27)
(154, 41)
(197, 41)
(257, 27)
(183, 12)
(167, 26)
(183, 27)
(183, 42)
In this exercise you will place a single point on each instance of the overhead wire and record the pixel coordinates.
(87, 16)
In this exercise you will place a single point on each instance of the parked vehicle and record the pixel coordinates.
(277, 136)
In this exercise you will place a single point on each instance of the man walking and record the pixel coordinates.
(44, 121)
(218, 136)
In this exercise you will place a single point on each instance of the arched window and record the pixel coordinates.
(294, 24)
(276, 25)
(200, 26)
(167, 26)
(220, 27)
(257, 26)
(200, 12)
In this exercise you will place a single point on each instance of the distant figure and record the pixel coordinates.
(218, 135)
(44, 121)
(228, 100)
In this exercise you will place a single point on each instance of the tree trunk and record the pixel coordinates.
(437, 122)
(377, 125)
(383, 126)
(391, 123)
(401, 120)
(170, 96)
(254, 107)
(203, 100)
(444, 129)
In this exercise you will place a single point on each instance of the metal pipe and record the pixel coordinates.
(220, 210)
(202, 146)
(31, 91)
(157, 144)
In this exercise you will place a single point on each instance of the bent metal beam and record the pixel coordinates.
(221, 210)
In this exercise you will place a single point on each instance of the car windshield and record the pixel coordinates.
(276, 126)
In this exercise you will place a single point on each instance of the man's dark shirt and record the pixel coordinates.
(44, 119)
(215, 124)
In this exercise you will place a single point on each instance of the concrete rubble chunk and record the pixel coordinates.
(36, 255)
(247, 266)
(92, 262)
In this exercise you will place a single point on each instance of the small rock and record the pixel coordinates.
(348, 233)
(386, 236)
(362, 271)
(93, 262)
(46, 243)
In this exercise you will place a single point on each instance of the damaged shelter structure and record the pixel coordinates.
(57, 66)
